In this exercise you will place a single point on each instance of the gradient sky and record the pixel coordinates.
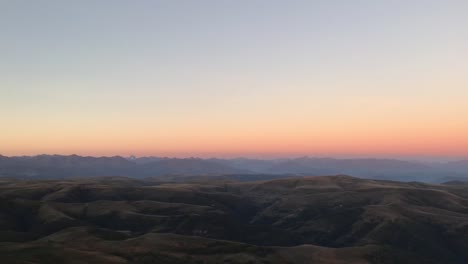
(230, 78)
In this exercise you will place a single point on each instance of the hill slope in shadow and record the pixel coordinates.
(332, 219)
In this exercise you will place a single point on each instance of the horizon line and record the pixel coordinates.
(337, 157)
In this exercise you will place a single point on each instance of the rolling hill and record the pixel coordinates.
(330, 219)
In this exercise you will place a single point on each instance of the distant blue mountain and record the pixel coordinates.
(60, 166)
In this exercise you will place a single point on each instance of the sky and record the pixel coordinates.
(234, 78)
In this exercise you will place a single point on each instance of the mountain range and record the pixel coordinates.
(60, 166)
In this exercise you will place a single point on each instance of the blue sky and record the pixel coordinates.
(215, 76)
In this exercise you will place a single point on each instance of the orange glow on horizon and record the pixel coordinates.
(359, 127)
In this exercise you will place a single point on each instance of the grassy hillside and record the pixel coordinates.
(334, 219)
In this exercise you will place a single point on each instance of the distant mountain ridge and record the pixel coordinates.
(58, 166)
(64, 166)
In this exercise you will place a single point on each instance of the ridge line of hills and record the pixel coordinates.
(65, 166)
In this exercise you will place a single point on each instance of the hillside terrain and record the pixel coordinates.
(324, 220)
